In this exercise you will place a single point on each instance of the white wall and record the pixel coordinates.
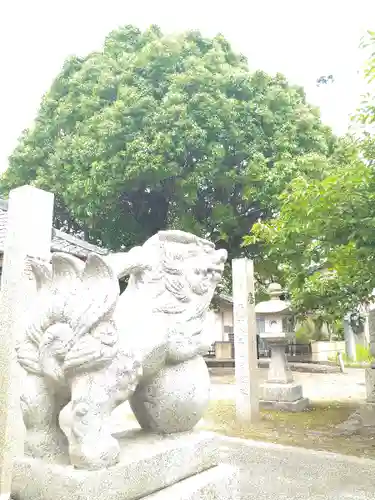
(227, 317)
(216, 327)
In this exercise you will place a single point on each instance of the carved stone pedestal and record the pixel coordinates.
(367, 409)
(370, 384)
(180, 466)
(280, 392)
(220, 482)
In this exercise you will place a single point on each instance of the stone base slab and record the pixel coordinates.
(149, 463)
(367, 414)
(218, 483)
(280, 392)
(292, 406)
(370, 385)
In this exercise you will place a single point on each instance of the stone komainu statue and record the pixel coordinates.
(88, 349)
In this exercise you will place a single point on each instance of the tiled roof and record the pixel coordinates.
(224, 297)
(61, 242)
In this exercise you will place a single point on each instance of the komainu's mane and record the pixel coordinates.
(177, 259)
(73, 299)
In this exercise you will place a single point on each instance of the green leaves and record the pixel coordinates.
(161, 131)
(323, 239)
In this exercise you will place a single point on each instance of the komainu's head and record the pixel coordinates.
(183, 272)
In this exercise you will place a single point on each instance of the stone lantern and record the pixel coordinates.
(276, 325)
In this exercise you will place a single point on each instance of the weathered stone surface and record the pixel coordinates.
(28, 234)
(367, 414)
(281, 392)
(279, 371)
(370, 385)
(218, 483)
(363, 420)
(292, 406)
(87, 349)
(148, 463)
(244, 328)
(350, 426)
(173, 401)
(274, 472)
(305, 367)
(360, 422)
(371, 323)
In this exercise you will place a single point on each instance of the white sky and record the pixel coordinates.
(302, 39)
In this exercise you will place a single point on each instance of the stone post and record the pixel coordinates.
(279, 371)
(371, 330)
(29, 230)
(367, 409)
(245, 342)
(350, 343)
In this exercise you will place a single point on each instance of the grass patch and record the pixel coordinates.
(313, 428)
(364, 358)
(223, 379)
(362, 365)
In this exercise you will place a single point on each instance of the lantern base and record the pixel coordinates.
(281, 396)
(289, 406)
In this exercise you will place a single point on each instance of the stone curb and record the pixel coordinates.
(249, 443)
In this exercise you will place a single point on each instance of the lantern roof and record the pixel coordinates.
(275, 305)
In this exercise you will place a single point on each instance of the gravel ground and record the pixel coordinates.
(270, 472)
(349, 386)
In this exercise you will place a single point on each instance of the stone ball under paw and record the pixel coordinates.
(175, 399)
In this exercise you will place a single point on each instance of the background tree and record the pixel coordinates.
(324, 235)
(324, 240)
(365, 117)
(160, 131)
(324, 80)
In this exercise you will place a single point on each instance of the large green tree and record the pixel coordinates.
(161, 131)
(323, 238)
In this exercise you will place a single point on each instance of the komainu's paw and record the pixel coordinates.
(94, 454)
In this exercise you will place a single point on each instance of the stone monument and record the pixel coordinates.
(367, 409)
(362, 421)
(350, 340)
(29, 222)
(279, 391)
(88, 349)
(371, 328)
(246, 361)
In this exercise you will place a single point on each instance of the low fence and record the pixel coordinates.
(302, 351)
(211, 351)
(314, 352)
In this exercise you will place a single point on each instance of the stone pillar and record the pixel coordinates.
(350, 343)
(278, 371)
(371, 330)
(29, 230)
(244, 328)
(370, 384)
(367, 409)
(280, 392)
